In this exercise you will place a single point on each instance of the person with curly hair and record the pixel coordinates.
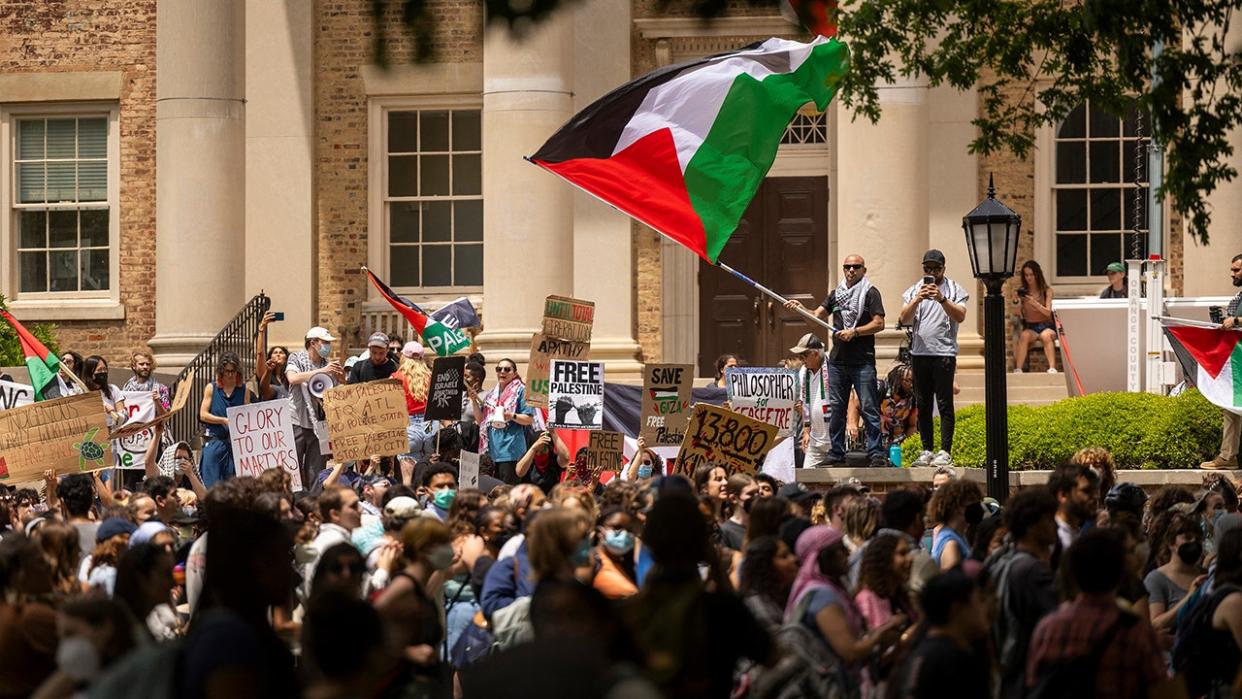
(948, 510)
(1101, 460)
(60, 545)
(227, 391)
(883, 579)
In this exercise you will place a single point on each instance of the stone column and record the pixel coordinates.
(200, 174)
(528, 214)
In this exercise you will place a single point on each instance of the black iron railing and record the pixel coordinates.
(237, 337)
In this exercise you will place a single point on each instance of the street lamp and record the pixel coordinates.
(992, 238)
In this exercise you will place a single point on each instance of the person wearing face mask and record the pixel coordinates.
(1171, 585)
(645, 465)
(439, 488)
(952, 508)
(95, 632)
(299, 369)
(615, 576)
(544, 463)
(95, 374)
(740, 490)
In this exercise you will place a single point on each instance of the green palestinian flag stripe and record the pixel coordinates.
(444, 340)
(1235, 366)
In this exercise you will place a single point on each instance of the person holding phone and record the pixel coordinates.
(1033, 305)
(935, 307)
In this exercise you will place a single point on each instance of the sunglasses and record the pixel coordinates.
(505, 369)
(931, 269)
(849, 267)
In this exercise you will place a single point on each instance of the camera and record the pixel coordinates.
(1022, 291)
(1217, 314)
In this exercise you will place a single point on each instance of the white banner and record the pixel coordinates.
(468, 470)
(131, 450)
(262, 438)
(15, 395)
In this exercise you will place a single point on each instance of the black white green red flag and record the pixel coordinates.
(684, 148)
(41, 363)
(1212, 360)
(442, 339)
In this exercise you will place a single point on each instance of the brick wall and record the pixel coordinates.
(104, 35)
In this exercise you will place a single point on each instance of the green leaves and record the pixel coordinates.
(10, 346)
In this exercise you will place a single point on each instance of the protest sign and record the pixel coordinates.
(665, 403)
(448, 384)
(131, 450)
(65, 435)
(724, 438)
(767, 395)
(543, 350)
(180, 398)
(262, 439)
(366, 418)
(604, 453)
(568, 319)
(468, 470)
(576, 395)
(15, 395)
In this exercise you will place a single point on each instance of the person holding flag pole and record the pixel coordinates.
(43, 365)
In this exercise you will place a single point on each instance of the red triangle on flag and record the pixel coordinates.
(1210, 347)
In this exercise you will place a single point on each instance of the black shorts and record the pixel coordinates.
(1039, 327)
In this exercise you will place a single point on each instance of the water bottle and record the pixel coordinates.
(894, 455)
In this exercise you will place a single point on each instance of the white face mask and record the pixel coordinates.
(440, 557)
(78, 658)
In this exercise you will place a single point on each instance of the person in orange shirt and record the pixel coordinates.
(615, 576)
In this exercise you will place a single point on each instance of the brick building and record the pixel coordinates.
(163, 164)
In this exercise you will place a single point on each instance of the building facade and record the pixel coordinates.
(164, 163)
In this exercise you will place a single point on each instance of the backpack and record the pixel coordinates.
(806, 668)
(474, 644)
(511, 625)
(1074, 678)
(1194, 651)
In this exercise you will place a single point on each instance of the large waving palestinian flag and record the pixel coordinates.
(441, 338)
(684, 149)
(1212, 361)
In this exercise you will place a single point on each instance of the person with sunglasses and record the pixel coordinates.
(935, 306)
(504, 416)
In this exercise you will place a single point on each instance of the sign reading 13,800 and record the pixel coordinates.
(724, 438)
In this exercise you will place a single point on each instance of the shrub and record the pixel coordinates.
(11, 349)
(1142, 430)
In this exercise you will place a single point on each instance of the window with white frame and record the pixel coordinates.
(433, 198)
(1100, 190)
(61, 209)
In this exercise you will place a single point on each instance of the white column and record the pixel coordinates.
(200, 174)
(527, 214)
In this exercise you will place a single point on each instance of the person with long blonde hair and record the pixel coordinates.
(415, 380)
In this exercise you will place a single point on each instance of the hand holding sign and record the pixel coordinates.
(724, 438)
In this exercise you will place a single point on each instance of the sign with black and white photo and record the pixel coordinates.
(444, 397)
(576, 395)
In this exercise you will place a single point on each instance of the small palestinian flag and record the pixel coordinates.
(438, 336)
(684, 148)
(1212, 361)
(662, 394)
(41, 363)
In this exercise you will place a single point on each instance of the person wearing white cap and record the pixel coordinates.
(813, 394)
(377, 364)
(299, 369)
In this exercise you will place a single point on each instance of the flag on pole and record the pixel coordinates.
(812, 14)
(458, 314)
(41, 363)
(1212, 360)
(684, 148)
(438, 336)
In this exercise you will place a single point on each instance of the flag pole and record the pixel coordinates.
(76, 379)
(1169, 320)
(810, 317)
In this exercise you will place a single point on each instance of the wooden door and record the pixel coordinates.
(781, 242)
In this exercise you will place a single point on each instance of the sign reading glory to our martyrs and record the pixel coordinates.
(444, 397)
(767, 395)
(66, 435)
(724, 438)
(543, 350)
(262, 438)
(665, 403)
(366, 418)
(568, 319)
(576, 395)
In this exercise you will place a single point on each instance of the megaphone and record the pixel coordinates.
(320, 383)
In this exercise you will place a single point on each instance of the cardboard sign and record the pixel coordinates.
(366, 418)
(180, 398)
(767, 395)
(66, 435)
(543, 350)
(468, 470)
(262, 439)
(666, 403)
(448, 386)
(724, 438)
(15, 395)
(576, 395)
(131, 450)
(568, 319)
(604, 453)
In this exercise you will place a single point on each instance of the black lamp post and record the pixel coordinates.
(992, 238)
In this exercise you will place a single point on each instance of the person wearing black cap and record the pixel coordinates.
(800, 497)
(380, 363)
(813, 393)
(935, 306)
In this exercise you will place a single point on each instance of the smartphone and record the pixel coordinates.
(929, 279)
(1022, 291)
(278, 315)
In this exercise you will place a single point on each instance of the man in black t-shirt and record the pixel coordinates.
(947, 661)
(379, 364)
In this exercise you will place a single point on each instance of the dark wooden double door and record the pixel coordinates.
(782, 243)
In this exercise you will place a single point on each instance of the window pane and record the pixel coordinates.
(1071, 210)
(403, 222)
(94, 228)
(1130, 122)
(1104, 249)
(1129, 249)
(467, 174)
(30, 182)
(403, 176)
(403, 265)
(93, 181)
(34, 229)
(1075, 124)
(435, 131)
(61, 139)
(437, 221)
(94, 270)
(434, 176)
(468, 265)
(93, 138)
(1132, 208)
(437, 265)
(1105, 209)
(469, 222)
(467, 132)
(34, 271)
(1071, 162)
(64, 268)
(63, 229)
(61, 185)
(402, 132)
(30, 139)
(1071, 255)
(1105, 161)
(1132, 156)
(1103, 124)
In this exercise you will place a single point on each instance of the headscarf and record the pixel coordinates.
(146, 532)
(808, 547)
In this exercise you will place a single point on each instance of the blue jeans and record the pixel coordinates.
(216, 463)
(861, 378)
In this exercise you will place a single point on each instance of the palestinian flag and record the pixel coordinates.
(1212, 361)
(438, 336)
(685, 148)
(41, 363)
(661, 394)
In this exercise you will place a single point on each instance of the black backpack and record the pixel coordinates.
(1074, 678)
(1194, 649)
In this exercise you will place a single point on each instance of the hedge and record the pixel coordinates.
(11, 348)
(1142, 430)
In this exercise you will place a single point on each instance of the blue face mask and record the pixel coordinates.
(325, 350)
(618, 542)
(443, 499)
(582, 556)
(644, 471)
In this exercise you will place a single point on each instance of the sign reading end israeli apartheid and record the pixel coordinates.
(576, 395)
(568, 319)
(604, 453)
(65, 435)
(724, 438)
(448, 384)
(366, 418)
(262, 438)
(543, 350)
(767, 395)
(665, 403)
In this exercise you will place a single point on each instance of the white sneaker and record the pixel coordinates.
(924, 459)
(942, 458)
(1053, 371)
(1018, 370)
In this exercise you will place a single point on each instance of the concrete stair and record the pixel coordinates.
(1025, 389)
